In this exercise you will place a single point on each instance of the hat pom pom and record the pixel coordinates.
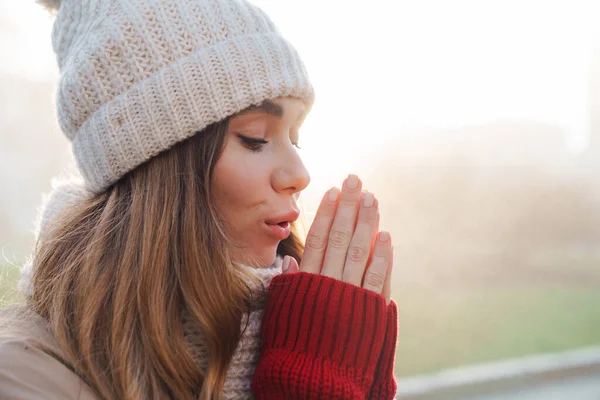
(50, 5)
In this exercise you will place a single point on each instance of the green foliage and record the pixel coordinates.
(447, 328)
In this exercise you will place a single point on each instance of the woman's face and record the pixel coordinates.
(258, 177)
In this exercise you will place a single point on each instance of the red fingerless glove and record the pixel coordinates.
(384, 384)
(321, 338)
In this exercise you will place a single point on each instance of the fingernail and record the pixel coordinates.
(384, 236)
(286, 263)
(333, 194)
(352, 182)
(368, 199)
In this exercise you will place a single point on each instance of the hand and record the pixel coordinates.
(344, 243)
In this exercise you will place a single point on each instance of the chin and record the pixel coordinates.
(260, 258)
(266, 257)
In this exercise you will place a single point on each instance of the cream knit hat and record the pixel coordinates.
(138, 76)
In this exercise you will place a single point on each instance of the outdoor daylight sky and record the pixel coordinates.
(476, 125)
(388, 68)
(428, 63)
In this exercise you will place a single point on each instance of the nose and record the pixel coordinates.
(290, 174)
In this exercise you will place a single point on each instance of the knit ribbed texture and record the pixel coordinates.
(138, 76)
(322, 338)
(244, 361)
(384, 383)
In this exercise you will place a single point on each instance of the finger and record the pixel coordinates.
(377, 270)
(342, 228)
(374, 239)
(387, 286)
(289, 265)
(318, 234)
(362, 240)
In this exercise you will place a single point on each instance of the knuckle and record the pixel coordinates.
(314, 242)
(338, 238)
(357, 254)
(375, 279)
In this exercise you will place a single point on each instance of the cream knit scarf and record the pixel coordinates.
(245, 358)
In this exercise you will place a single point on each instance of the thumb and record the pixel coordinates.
(289, 265)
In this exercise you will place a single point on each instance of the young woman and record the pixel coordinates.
(176, 268)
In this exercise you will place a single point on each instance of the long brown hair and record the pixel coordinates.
(114, 275)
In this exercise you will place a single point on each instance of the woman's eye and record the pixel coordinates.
(253, 144)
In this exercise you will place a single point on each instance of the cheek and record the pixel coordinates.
(241, 187)
(239, 184)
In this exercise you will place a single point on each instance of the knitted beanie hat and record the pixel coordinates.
(138, 76)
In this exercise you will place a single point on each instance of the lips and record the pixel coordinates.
(279, 227)
(290, 216)
(278, 231)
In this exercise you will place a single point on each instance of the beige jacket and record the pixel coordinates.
(27, 372)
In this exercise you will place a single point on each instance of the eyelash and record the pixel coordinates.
(255, 145)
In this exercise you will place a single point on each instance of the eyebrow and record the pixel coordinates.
(268, 107)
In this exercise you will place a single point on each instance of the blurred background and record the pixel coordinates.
(475, 123)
